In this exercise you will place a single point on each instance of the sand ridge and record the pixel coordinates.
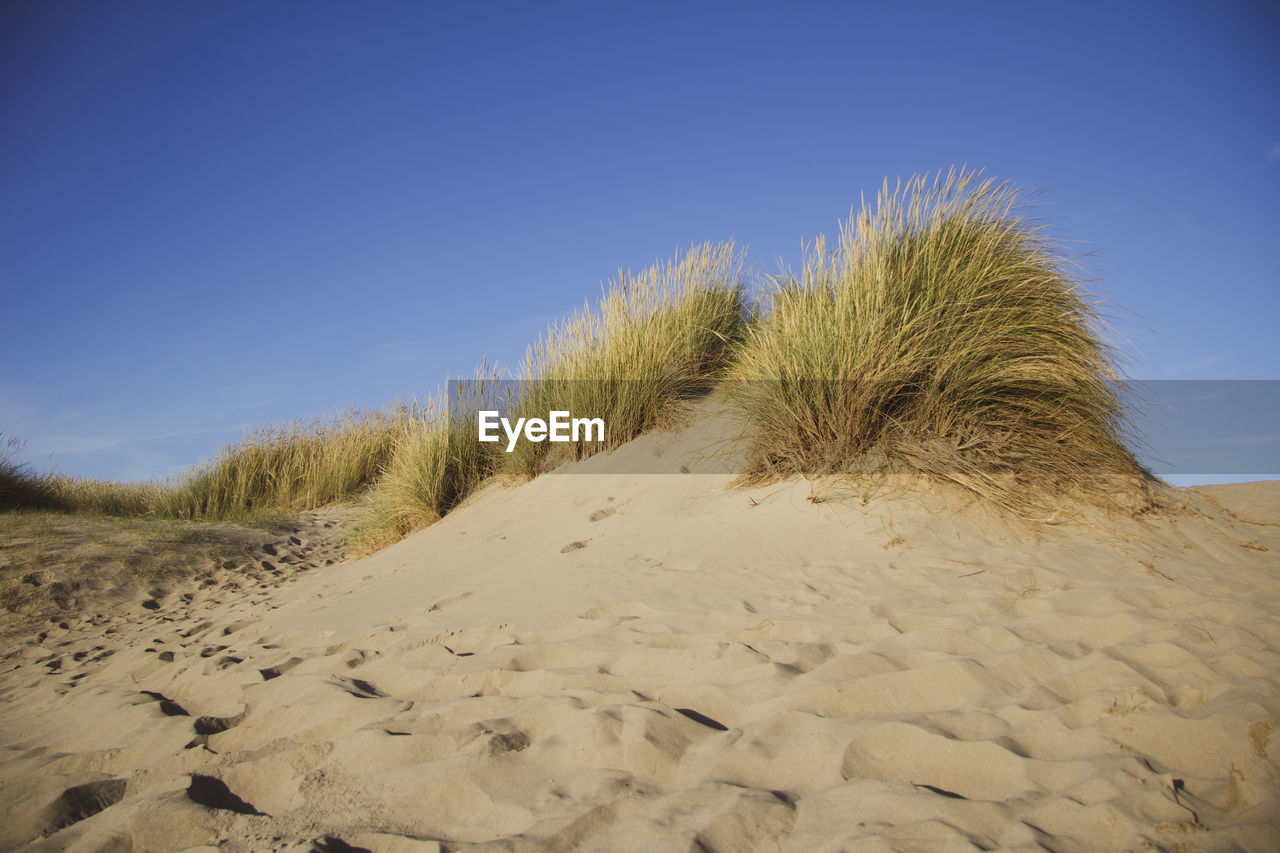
(610, 661)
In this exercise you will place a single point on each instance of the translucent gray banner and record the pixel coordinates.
(1209, 427)
(1206, 426)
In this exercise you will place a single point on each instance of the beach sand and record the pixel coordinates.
(621, 661)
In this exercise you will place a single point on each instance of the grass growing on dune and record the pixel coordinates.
(437, 462)
(22, 489)
(91, 496)
(290, 467)
(650, 340)
(278, 469)
(943, 335)
(19, 487)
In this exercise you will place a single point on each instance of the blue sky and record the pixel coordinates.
(217, 215)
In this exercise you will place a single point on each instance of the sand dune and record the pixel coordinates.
(611, 661)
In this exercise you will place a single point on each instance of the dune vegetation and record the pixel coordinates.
(437, 461)
(275, 470)
(943, 335)
(651, 340)
(292, 467)
(22, 489)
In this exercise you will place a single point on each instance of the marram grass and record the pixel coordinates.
(651, 340)
(437, 461)
(289, 467)
(944, 336)
(19, 487)
(22, 489)
(270, 471)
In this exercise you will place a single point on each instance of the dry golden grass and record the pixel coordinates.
(651, 340)
(290, 467)
(943, 335)
(270, 471)
(437, 462)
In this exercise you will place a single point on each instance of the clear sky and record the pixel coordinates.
(215, 215)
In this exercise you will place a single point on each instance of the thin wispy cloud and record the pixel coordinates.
(1194, 369)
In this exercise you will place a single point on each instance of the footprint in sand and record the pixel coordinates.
(445, 602)
(279, 669)
(512, 741)
(82, 801)
(358, 688)
(573, 546)
(211, 792)
(196, 629)
(703, 719)
(211, 725)
(168, 707)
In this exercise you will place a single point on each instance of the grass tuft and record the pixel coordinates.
(271, 471)
(19, 487)
(89, 496)
(22, 489)
(289, 467)
(651, 340)
(437, 462)
(943, 336)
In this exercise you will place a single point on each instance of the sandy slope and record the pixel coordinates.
(624, 662)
